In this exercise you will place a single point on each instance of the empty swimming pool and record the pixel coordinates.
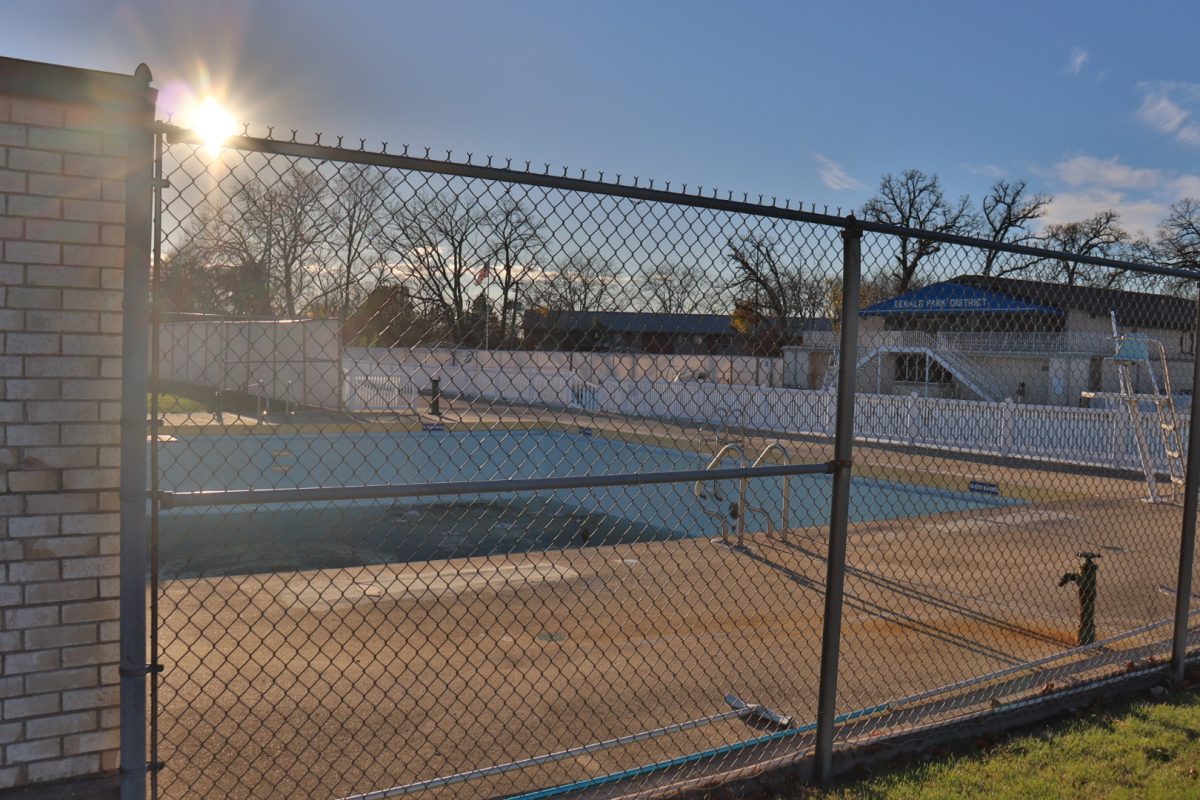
(235, 539)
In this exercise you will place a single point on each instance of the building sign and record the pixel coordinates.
(954, 298)
(981, 487)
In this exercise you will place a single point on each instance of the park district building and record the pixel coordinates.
(989, 338)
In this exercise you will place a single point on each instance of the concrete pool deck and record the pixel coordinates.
(329, 682)
(336, 681)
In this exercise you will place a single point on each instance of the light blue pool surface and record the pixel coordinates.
(303, 535)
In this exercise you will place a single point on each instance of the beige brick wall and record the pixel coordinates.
(62, 176)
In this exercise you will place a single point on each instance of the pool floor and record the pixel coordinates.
(227, 540)
(281, 539)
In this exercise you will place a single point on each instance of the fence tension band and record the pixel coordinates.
(138, 672)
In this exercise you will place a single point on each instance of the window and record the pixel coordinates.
(914, 367)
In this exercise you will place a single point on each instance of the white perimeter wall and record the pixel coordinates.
(1096, 437)
(298, 360)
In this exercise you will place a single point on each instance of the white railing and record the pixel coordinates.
(1088, 436)
(1005, 343)
(375, 392)
(996, 342)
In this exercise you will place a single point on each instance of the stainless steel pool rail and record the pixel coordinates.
(785, 515)
(304, 494)
(717, 513)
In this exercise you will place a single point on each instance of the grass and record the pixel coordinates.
(175, 404)
(1140, 749)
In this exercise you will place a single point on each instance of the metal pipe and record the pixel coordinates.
(698, 490)
(843, 451)
(714, 752)
(840, 719)
(1074, 652)
(231, 497)
(777, 446)
(523, 178)
(135, 359)
(155, 422)
(1187, 538)
(549, 758)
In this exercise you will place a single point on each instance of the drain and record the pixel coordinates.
(551, 636)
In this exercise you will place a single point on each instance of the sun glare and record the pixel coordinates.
(212, 122)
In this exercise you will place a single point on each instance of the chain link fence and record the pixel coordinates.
(539, 484)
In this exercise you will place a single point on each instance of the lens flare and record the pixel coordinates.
(212, 122)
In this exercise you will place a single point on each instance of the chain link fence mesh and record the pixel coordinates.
(420, 524)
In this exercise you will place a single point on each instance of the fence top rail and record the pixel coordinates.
(225, 497)
(616, 188)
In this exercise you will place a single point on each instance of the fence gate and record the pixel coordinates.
(392, 558)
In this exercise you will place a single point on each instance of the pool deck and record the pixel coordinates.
(330, 682)
(334, 681)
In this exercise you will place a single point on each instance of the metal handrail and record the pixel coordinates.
(263, 400)
(312, 494)
(699, 492)
(785, 517)
(290, 403)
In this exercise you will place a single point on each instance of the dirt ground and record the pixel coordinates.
(330, 683)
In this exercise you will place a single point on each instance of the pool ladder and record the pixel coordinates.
(785, 515)
(701, 494)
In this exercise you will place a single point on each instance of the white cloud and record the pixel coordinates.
(1168, 108)
(1079, 57)
(1137, 216)
(1091, 171)
(1140, 195)
(833, 176)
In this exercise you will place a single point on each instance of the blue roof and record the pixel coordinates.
(955, 298)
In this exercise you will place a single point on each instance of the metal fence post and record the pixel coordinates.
(1187, 539)
(843, 445)
(135, 357)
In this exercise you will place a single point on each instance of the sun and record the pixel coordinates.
(212, 122)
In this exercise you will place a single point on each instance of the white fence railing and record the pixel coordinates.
(1094, 437)
(375, 392)
(988, 342)
(588, 366)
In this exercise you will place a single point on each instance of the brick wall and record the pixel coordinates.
(62, 213)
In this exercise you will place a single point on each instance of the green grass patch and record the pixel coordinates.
(176, 404)
(1145, 750)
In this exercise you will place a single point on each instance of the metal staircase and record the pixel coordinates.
(966, 371)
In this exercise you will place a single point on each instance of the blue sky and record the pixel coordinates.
(1095, 102)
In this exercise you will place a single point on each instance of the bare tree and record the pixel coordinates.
(1009, 212)
(580, 283)
(441, 243)
(270, 238)
(777, 286)
(915, 200)
(1179, 235)
(188, 281)
(235, 264)
(677, 289)
(514, 235)
(358, 209)
(1098, 236)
